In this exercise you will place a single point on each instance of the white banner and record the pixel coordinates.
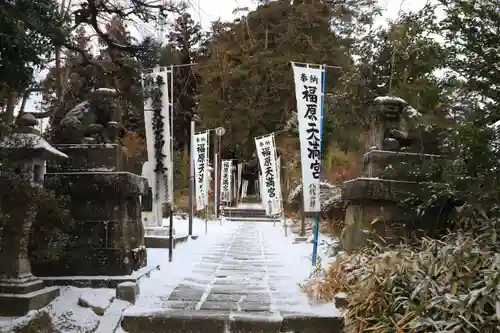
(200, 157)
(225, 183)
(266, 151)
(161, 186)
(244, 187)
(309, 94)
(239, 172)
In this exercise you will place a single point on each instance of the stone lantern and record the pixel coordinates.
(23, 168)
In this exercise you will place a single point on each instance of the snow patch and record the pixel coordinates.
(389, 99)
(68, 317)
(32, 141)
(96, 299)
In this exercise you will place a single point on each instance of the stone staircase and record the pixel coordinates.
(247, 213)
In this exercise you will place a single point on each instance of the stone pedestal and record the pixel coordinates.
(374, 202)
(397, 145)
(108, 238)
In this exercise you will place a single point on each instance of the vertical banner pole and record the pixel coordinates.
(216, 182)
(316, 222)
(191, 178)
(206, 219)
(170, 193)
(206, 184)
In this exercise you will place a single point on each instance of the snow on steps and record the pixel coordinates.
(163, 321)
(254, 213)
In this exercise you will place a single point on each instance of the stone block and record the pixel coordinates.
(340, 300)
(375, 161)
(385, 219)
(309, 323)
(219, 306)
(174, 321)
(97, 184)
(255, 323)
(83, 261)
(91, 157)
(374, 189)
(299, 239)
(127, 291)
(16, 305)
(21, 285)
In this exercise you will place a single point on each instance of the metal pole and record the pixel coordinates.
(316, 220)
(191, 178)
(214, 164)
(171, 171)
(286, 228)
(219, 148)
(206, 219)
(171, 235)
(216, 184)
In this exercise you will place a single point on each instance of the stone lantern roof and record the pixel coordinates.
(27, 142)
(30, 144)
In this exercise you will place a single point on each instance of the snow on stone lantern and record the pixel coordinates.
(22, 170)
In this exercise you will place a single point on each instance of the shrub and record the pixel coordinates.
(447, 285)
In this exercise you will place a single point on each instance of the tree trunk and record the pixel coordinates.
(9, 108)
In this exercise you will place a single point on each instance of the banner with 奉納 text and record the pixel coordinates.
(226, 180)
(157, 127)
(270, 187)
(309, 96)
(200, 161)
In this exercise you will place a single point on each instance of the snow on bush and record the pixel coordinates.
(448, 285)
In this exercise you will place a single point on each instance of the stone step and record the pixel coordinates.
(252, 219)
(244, 212)
(210, 321)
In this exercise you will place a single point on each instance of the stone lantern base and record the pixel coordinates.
(20, 291)
(25, 293)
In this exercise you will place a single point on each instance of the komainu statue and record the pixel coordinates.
(97, 120)
(399, 127)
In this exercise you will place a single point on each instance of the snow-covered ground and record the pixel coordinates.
(185, 256)
(68, 316)
(181, 225)
(245, 205)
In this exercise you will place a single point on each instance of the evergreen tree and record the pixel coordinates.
(23, 47)
(184, 38)
(400, 59)
(82, 78)
(248, 84)
(472, 37)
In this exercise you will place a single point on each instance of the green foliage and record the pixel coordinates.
(247, 77)
(184, 38)
(400, 59)
(22, 47)
(472, 34)
(50, 232)
(82, 78)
